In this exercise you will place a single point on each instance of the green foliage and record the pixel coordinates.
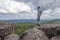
(21, 27)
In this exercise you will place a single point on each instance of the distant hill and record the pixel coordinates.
(55, 21)
(19, 21)
(30, 21)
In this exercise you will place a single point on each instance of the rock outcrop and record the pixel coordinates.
(7, 32)
(5, 29)
(11, 36)
(0, 38)
(44, 32)
(34, 34)
(55, 38)
(51, 30)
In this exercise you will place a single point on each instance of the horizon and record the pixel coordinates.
(33, 19)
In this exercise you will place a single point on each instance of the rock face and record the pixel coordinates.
(34, 34)
(12, 37)
(0, 38)
(6, 32)
(55, 38)
(5, 29)
(50, 30)
(44, 32)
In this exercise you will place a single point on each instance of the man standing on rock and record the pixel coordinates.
(38, 15)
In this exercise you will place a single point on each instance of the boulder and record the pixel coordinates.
(6, 32)
(51, 30)
(12, 37)
(42, 32)
(5, 29)
(55, 38)
(0, 38)
(34, 34)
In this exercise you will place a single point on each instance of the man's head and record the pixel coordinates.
(38, 7)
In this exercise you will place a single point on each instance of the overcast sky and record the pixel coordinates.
(27, 9)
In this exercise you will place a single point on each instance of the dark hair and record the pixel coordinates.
(38, 7)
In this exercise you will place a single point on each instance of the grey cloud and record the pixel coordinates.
(45, 4)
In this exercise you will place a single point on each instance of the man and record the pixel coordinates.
(38, 16)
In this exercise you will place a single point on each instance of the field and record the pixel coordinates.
(21, 27)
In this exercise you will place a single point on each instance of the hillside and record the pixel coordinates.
(54, 21)
(31, 21)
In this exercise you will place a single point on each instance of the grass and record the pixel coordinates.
(21, 27)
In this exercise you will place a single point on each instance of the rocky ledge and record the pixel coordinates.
(42, 32)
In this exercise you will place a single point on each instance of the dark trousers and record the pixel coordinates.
(38, 18)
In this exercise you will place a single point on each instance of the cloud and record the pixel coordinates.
(8, 16)
(45, 4)
(47, 14)
(10, 6)
(52, 13)
(50, 9)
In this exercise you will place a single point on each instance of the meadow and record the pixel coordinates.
(19, 28)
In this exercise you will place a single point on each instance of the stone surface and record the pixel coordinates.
(6, 32)
(34, 34)
(5, 28)
(12, 37)
(44, 32)
(0, 38)
(50, 29)
(55, 38)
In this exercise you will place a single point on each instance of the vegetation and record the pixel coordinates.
(21, 27)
